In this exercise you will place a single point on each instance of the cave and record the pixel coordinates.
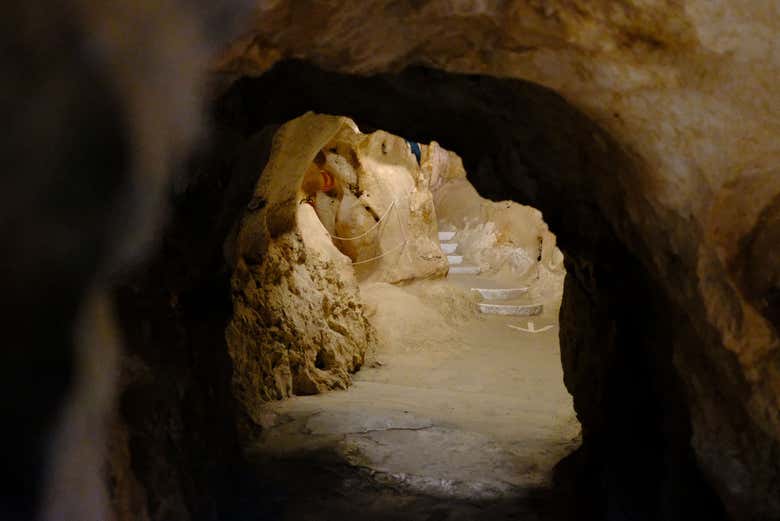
(140, 208)
(518, 141)
(376, 337)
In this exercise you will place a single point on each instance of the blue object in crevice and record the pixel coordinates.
(415, 148)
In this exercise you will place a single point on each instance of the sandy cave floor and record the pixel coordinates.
(459, 417)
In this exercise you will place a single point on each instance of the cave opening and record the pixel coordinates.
(395, 270)
(518, 142)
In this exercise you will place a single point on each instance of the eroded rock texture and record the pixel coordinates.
(298, 325)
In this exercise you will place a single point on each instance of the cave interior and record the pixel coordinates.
(518, 141)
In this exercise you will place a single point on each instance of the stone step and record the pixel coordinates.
(501, 293)
(455, 259)
(446, 236)
(449, 247)
(464, 270)
(526, 310)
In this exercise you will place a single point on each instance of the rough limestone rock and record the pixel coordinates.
(495, 235)
(298, 325)
(688, 92)
(394, 187)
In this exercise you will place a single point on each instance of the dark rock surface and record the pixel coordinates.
(176, 408)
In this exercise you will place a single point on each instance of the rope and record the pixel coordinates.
(376, 224)
(388, 252)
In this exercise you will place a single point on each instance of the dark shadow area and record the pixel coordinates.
(176, 403)
(57, 219)
(319, 485)
(518, 141)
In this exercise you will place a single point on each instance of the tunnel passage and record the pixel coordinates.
(454, 393)
(523, 142)
(518, 141)
(462, 404)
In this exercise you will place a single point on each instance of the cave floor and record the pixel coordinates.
(459, 417)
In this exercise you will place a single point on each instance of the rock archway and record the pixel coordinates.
(655, 162)
(618, 329)
(660, 185)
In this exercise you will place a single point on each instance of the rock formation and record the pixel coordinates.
(495, 235)
(298, 325)
(333, 206)
(386, 221)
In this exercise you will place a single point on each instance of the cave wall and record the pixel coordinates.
(174, 452)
